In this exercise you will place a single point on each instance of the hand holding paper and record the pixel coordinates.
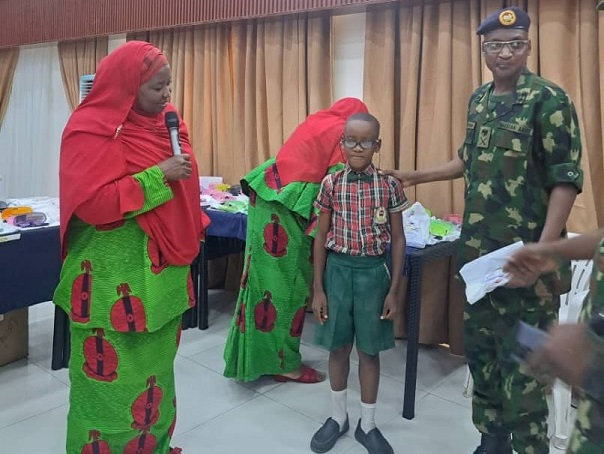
(485, 274)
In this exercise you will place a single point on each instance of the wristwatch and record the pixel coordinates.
(596, 324)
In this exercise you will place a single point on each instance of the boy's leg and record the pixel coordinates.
(339, 368)
(369, 376)
(337, 425)
(336, 335)
(372, 336)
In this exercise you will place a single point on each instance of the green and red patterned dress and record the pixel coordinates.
(264, 337)
(128, 238)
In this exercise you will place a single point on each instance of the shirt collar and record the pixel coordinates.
(369, 170)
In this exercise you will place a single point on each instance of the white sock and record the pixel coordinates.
(338, 406)
(367, 417)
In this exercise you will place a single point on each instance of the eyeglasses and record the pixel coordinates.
(365, 144)
(33, 219)
(494, 47)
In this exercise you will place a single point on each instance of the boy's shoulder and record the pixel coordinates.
(333, 176)
(392, 181)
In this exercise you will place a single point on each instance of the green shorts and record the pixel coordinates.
(355, 288)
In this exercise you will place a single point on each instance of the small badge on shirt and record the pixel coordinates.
(380, 215)
(484, 137)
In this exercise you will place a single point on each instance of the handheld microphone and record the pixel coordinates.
(172, 125)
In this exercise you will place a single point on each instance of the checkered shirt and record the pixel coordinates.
(354, 206)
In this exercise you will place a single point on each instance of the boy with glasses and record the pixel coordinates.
(354, 294)
(520, 162)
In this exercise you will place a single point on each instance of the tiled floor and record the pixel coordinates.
(220, 416)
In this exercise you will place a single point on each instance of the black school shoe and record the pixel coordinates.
(325, 438)
(374, 441)
(499, 443)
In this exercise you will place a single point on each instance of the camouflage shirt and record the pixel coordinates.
(517, 148)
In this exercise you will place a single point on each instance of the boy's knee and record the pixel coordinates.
(366, 357)
(342, 352)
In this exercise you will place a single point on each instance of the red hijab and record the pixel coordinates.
(105, 140)
(315, 144)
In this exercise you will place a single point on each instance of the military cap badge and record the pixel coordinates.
(507, 18)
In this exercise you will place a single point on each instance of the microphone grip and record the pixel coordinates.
(175, 142)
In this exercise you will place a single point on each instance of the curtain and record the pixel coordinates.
(281, 73)
(30, 136)
(8, 63)
(423, 62)
(79, 58)
(243, 88)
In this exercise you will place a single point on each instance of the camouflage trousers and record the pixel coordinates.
(505, 399)
(588, 434)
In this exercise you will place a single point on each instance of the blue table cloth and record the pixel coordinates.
(226, 225)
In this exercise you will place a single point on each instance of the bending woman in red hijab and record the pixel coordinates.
(130, 227)
(264, 337)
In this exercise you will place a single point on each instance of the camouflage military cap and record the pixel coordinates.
(512, 17)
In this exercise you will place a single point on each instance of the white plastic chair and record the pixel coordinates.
(560, 399)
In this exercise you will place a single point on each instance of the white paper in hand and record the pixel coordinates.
(485, 274)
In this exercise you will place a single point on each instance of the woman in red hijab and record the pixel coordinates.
(130, 227)
(264, 337)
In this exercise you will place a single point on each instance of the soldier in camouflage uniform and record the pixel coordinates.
(520, 161)
(575, 352)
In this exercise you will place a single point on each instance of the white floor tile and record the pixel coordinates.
(314, 400)
(219, 415)
(444, 427)
(26, 391)
(452, 388)
(41, 434)
(257, 427)
(202, 394)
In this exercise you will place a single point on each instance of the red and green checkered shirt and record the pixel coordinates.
(359, 203)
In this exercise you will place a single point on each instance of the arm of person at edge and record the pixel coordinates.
(319, 301)
(447, 171)
(397, 253)
(135, 194)
(574, 353)
(534, 259)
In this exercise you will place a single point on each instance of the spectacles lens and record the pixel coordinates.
(517, 46)
(364, 144)
(493, 47)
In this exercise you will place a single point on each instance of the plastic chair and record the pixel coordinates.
(560, 399)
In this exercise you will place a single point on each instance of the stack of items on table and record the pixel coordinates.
(217, 195)
(422, 229)
(17, 215)
(21, 214)
(225, 271)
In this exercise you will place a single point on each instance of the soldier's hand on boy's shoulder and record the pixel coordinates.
(406, 178)
(319, 306)
(389, 307)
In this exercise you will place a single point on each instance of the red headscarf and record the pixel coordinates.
(315, 144)
(106, 140)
